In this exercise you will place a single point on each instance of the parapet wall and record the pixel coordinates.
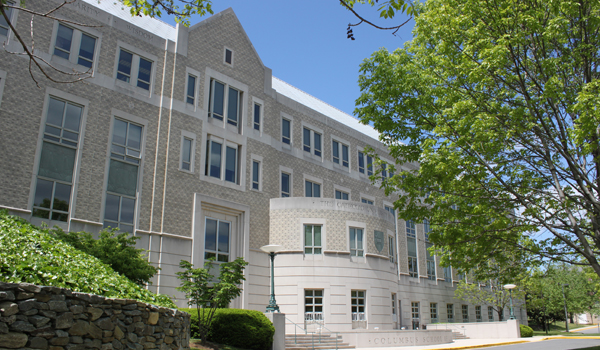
(55, 318)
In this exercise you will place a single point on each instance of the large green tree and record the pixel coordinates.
(498, 103)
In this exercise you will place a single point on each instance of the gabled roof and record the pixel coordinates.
(322, 107)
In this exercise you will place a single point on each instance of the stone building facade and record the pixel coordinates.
(184, 138)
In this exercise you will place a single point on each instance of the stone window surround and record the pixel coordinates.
(316, 180)
(261, 103)
(51, 92)
(190, 71)
(313, 130)
(209, 76)
(368, 197)
(291, 120)
(337, 187)
(71, 63)
(345, 142)
(362, 225)
(192, 136)
(259, 159)
(137, 54)
(225, 48)
(312, 221)
(283, 169)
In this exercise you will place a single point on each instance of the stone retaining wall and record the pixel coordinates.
(34, 317)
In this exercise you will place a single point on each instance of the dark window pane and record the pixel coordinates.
(215, 160)
(336, 152)
(87, 47)
(39, 213)
(306, 138)
(232, 107)
(345, 155)
(144, 72)
(52, 130)
(73, 117)
(285, 183)
(125, 59)
(316, 190)
(64, 37)
(3, 23)
(230, 164)
(308, 189)
(186, 152)
(317, 144)
(223, 237)
(134, 138)
(122, 178)
(60, 216)
(56, 110)
(127, 210)
(62, 194)
(256, 116)
(120, 132)
(210, 240)
(56, 162)
(228, 56)
(43, 193)
(111, 210)
(219, 100)
(191, 89)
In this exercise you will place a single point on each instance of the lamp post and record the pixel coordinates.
(566, 315)
(271, 249)
(510, 287)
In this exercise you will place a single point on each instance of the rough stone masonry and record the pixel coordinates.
(52, 318)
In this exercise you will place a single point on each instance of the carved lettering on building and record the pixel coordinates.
(410, 340)
(141, 33)
(85, 8)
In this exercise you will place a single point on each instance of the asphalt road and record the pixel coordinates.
(558, 344)
(588, 331)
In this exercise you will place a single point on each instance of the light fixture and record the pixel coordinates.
(510, 287)
(271, 249)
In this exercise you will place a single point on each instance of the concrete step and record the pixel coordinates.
(309, 341)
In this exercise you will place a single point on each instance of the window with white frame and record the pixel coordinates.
(190, 92)
(285, 185)
(411, 242)
(465, 313)
(312, 189)
(311, 141)
(448, 274)
(357, 302)
(341, 195)
(313, 305)
(367, 201)
(391, 250)
(74, 45)
(312, 239)
(415, 313)
(490, 314)
(356, 241)
(257, 116)
(134, 69)
(222, 160)
(225, 101)
(365, 163)
(256, 175)
(217, 240)
(54, 181)
(125, 159)
(4, 27)
(433, 312)
(478, 317)
(187, 153)
(390, 209)
(286, 131)
(430, 258)
(450, 312)
(340, 153)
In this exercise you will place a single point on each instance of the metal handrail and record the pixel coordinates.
(450, 325)
(330, 331)
(294, 323)
(313, 333)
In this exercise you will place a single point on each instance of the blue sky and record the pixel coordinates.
(305, 44)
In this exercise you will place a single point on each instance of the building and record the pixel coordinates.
(185, 139)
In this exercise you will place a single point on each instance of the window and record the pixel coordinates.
(228, 56)
(217, 240)
(312, 141)
(131, 65)
(490, 314)
(312, 239)
(59, 149)
(433, 312)
(313, 305)
(390, 210)
(312, 189)
(413, 264)
(478, 314)
(257, 116)
(357, 298)
(356, 241)
(4, 27)
(448, 274)
(340, 153)
(367, 201)
(429, 257)
(186, 154)
(72, 41)
(224, 100)
(255, 175)
(362, 163)
(415, 314)
(465, 313)
(285, 185)
(391, 248)
(341, 195)
(226, 170)
(286, 131)
(121, 191)
(191, 90)
(450, 310)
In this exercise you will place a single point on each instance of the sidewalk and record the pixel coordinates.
(477, 343)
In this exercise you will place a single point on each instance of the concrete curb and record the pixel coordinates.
(480, 346)
(575, 337)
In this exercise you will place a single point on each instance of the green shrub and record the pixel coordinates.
(29, 254)
(114, 249)
(526, 331)
(246, 329)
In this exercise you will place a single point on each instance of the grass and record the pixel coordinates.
(195, 344)
(559, 329)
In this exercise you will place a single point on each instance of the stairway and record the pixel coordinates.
(306, 341)
(458, 335)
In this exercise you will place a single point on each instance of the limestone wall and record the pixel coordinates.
(54, 318)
